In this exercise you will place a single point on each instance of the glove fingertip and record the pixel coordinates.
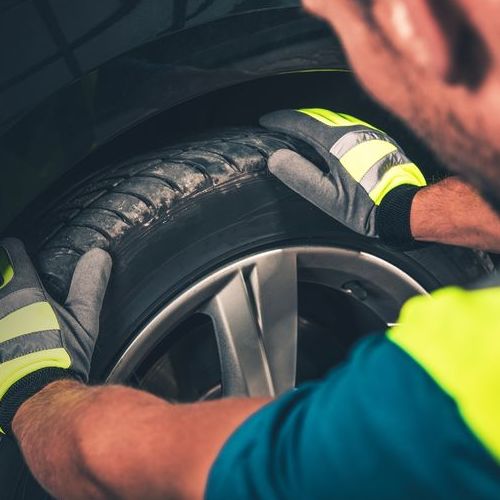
(97, 264)
(295, 171)
(101, 259)
(280, 160)
(90, 278)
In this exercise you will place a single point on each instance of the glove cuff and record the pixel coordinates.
(392, 219)
(24, 389)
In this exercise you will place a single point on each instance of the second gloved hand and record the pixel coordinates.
(40, 340)
(368, 183)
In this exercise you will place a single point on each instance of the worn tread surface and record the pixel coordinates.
(135, 193)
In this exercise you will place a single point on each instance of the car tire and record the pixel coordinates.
(171, 216)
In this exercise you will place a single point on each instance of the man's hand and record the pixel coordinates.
(40, 340)
(368, 183)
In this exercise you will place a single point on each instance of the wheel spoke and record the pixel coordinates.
(255, 318)
(274, 282)
(242, 357)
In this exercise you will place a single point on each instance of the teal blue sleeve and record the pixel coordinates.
(378, 427)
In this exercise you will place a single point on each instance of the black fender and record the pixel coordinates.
(90, 71)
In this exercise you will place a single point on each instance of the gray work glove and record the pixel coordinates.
(42, 341)
(368, 184)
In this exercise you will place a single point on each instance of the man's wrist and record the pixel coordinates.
(24, 389)
(393, 219)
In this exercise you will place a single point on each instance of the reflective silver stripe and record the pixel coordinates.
(27, 344)
(352, 139)
(375, 174)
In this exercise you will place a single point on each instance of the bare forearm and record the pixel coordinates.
(113, 441)
(453, 213)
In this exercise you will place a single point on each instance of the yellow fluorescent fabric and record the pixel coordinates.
(455, 336)
(16, 369)
(333, 119)
(397, 176)
(357, 121)
(36, 317)
(6, 269)
(327, 117)
(364, 156)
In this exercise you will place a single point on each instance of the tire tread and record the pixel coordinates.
(140, 190)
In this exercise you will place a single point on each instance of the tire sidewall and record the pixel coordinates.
(154, 263)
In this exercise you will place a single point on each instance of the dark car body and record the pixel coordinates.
(77, 74)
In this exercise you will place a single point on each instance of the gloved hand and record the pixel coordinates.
(368, 183)
(40, 340)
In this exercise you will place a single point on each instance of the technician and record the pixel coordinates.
(415, 412)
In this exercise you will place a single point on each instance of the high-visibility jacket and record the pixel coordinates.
(414, 413)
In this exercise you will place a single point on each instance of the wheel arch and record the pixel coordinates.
(81, 120)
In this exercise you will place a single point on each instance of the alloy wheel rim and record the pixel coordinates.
(253, 306)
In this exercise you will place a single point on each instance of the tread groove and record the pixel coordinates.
(168, 183)
(225, 159)
(95, 228)
(116, 213)
(197, 166)
(144, 200)
(200, 168)
(262, 152)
